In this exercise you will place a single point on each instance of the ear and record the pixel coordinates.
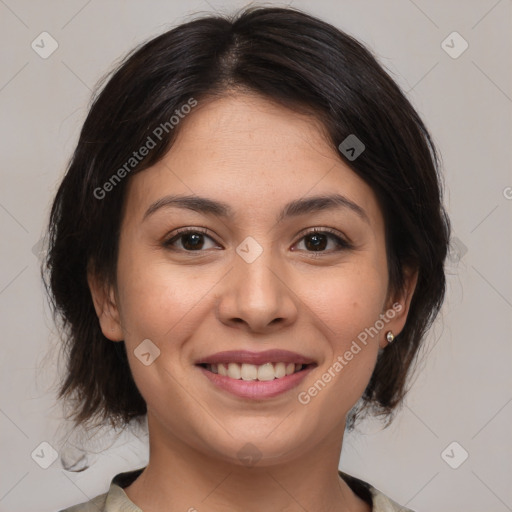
(105, 304)
(399, 304)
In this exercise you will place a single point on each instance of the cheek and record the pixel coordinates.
(164, 305)
(349, 306)
(348, 302)
(157, 299)
(167, 305)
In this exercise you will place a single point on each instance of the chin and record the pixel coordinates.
(263, 446)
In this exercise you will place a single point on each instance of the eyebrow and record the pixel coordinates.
(294, 208)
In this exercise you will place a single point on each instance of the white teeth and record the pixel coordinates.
(234, 371)
(280, 370)
(266, 372)
(263, 372)
(249, 372)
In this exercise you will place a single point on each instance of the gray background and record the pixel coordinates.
(463, 390)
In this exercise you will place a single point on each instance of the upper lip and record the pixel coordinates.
(256, 358)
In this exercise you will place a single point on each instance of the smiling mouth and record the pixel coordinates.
(264, 372)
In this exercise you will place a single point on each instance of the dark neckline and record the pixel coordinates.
(358, 486)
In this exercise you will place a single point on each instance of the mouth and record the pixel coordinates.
(264, 372)
(256, 375)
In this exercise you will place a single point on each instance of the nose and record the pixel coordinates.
(256, 296)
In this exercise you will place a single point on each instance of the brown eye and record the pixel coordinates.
(191, 240)
(318, 241)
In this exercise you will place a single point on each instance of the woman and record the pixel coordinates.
(247, 250)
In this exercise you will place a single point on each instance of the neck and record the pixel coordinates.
(179, 477)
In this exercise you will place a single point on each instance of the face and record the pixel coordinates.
(250, 263)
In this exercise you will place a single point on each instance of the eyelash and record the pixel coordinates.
(341, 242)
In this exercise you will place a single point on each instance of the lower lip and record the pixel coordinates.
(256, 389)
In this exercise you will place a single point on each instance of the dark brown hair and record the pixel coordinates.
(288, 57)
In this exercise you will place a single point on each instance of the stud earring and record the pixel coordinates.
(390, 336)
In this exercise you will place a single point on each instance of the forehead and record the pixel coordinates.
(252, 153)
